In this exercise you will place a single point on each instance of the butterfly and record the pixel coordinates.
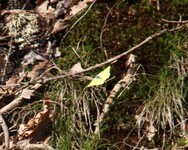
(101, 77)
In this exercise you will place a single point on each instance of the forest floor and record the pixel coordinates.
(93, 74)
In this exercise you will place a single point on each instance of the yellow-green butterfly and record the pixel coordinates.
(101, 77)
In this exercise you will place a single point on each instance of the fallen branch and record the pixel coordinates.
(123, 83)
(25, 92)
(11, 105)
(5, 130)
(108, 61)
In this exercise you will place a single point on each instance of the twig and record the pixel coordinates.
(136, 146)
(39, 146)
(5, 130)
(9, 85)
(111, 59)
(75, 51)
(104, 25)
(11, 105)
(123, 83)
(3, 37)
(24, 144)
(25, 5)
(7, 60)
(158, 5)
(175, 22)
(78, 20)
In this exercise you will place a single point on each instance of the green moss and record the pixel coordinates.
(85, 39)
(122, 31)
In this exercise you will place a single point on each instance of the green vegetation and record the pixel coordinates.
(158, 97)
(74, 116)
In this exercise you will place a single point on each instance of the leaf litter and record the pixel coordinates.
(29, 33)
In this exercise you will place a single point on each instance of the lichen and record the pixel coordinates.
(22, 27)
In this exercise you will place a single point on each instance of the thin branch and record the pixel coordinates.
(39, 146)
(25, 5)
(175, 22)
(9, 85)
(78, 19)
(123, 83)
(5, 130)
(111, 59)
(158, 5)
(7, 60)
(136, 146)
(3, 37)
(11, 105)
(104, 25)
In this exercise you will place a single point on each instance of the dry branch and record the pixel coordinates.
(123, 83)
(39, 147)
(5, 130)
(25, 145)
(176, 22)
(20, 97)
(111, 60)
(11, 105)
(7, 60)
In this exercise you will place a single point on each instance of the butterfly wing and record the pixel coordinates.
(101, 77)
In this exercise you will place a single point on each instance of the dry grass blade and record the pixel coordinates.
(78, 109)
(166, 108)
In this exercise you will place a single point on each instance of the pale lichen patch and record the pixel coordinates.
(22, 27)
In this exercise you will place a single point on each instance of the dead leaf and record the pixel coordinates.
(131, 60)
(21, 130)
(39, 69)
(11, 81)
(58, 26)
(36, 86)
(45, 11)
(54, 1)
(36, 125)
(78, 8)
(30, 58)
(26, 93)
(57, 52)
(76, 68)
(151, 132)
